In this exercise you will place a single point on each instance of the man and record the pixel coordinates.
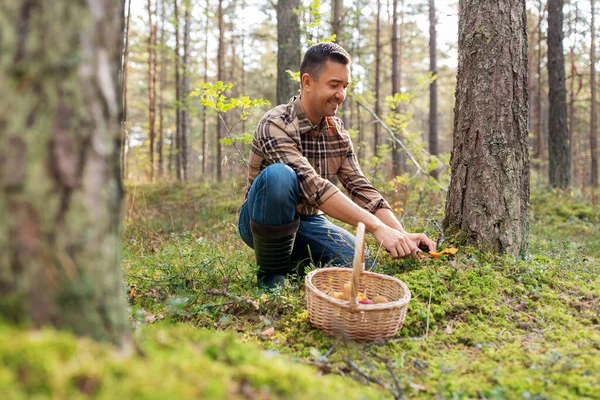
(297, 148)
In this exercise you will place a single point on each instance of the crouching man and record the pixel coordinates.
(296, 149)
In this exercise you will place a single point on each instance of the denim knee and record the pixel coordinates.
(274, 194)
(286, 184)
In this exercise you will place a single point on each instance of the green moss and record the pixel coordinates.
(172, 362)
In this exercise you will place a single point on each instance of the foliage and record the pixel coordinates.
(312, 29)
(213, 97)
(397, 121)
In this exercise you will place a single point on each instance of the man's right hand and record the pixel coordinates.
(398, 244)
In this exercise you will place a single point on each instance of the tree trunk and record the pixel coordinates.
(573, 21)
(337, 29)
(243, 65)
(163, 83)
(124, 97)
(204, 109)
(288, 48)
(62, 196)
(396, 83)
(593, 116)
(559, 158)
(377, 79)
(539, 138)
(185, 92)
(488, 197)
(357, 55)
(531, 87)
(220, 74)
(178, 122)
(151, 87)
(433, 121)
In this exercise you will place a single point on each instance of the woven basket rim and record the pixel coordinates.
(360, 307)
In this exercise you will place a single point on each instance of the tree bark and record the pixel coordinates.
(397, 164)
(593, 116)
(185, 92)
(433, 121)
(532, 87)
(124, 97)
(488, 197)
(151, 87)
(337, 29)
(573, 21)
(62, 196)
(539, 137)
(377, 78)
(163, 83)
(178, 119)
(288, 48)
(357, 55)
(559, 167)
(220, 75)
(204, 109)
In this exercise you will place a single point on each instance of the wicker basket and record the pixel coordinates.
(366, 322)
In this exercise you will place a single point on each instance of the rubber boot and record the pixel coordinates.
(273, 246)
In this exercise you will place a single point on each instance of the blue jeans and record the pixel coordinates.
(272, 200)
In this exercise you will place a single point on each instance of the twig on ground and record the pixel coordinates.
(225, 293)
(323, 366)
(358, 370)
(152, 280)
(406, 339)
(331, 349)
(390, 367)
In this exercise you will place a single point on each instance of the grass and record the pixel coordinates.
(479, 325)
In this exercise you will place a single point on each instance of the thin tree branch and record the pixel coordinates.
(393, 136)
(242, 156)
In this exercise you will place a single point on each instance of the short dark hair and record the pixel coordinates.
(317, 56)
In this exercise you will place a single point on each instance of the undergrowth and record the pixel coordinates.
(478, 325)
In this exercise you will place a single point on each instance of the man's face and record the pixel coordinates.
(328, 90)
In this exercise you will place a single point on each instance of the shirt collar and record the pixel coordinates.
(304, 124)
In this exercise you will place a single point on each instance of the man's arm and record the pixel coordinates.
(397, 243)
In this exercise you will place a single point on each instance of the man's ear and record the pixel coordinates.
(307, 81)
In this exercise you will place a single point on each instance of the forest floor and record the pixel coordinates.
(478, 325)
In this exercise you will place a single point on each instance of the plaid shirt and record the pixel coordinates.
(316, 153)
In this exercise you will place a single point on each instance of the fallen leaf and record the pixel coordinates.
(268, 332)
(149, 318)
(417, 387)
(449, 328)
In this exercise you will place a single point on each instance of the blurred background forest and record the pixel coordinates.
(398, 46)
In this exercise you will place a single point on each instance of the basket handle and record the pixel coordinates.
(358, 265)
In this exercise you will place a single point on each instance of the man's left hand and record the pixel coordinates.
(422, 239)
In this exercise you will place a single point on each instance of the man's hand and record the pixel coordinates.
(421, 240)
(384, 226)
(401, 244)
(397, 243)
